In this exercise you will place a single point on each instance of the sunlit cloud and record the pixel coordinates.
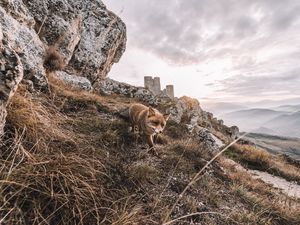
(213, 49)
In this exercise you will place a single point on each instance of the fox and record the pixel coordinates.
(147, 121)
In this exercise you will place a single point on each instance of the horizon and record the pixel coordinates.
(228, 57)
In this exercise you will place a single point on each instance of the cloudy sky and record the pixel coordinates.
(229, 50)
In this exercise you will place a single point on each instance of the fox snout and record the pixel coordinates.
(157, 130)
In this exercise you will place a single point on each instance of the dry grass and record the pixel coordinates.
(53, 60)
(51, 172)
(143, 173)
(256, 158)
(67, 158)
(40, 124)
(268, 206)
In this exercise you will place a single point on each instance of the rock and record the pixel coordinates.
(211, 142)
(11, 73)
(19, 34)
(188, 111)
(74, 81)
(233, 132)
(110, 86)
(29, 85)
(88, 36)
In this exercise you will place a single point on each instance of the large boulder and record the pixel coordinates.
(89, 37)
(11, 73)
(19, 34)
(188, 111)
(73, 81)
(86, 36)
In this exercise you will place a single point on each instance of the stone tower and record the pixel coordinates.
(156, 85)
(148, 82)
(170, 91)
(153, 84)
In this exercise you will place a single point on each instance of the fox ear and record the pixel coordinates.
(151, 111)
(166, 116)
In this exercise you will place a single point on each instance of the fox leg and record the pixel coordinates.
(135, 130)
(150, 141)
(155, 137)
(151, 144)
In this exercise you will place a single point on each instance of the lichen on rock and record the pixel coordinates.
(11, 73)
(89, 37)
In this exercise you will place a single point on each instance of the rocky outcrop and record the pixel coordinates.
(19, 34)
(199, 122)
(110, 86)
(89, 38)
(210, 141)
(11, 73)
(186, 109)
(74, 81)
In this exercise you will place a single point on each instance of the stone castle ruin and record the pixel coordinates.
(153, 84)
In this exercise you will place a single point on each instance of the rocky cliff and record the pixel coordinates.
(85, 35)
(11, 73)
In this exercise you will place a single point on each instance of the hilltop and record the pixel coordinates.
(67, 156)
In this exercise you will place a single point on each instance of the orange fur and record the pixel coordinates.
(147, 120)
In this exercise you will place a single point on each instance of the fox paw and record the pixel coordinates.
(152, 150)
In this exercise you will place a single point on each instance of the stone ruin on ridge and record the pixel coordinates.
(153, 84)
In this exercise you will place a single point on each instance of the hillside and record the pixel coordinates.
(269, 121)
(72, 157)
(276, 144)
(66, 152)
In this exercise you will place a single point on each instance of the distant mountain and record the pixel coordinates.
(273, 103)
(279, 119)
(287, 124)
(288, 108)
(265, 130)
(251, 119)
(219, 108)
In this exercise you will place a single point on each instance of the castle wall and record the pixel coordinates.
(153, 84)
(170, 91)
(156, 85)
(148, 82)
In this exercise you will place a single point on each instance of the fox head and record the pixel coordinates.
(156, 120)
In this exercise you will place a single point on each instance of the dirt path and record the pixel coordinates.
(289, 188)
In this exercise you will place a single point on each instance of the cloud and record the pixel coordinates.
(261, 86)
(246, 47)
(186, 31)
